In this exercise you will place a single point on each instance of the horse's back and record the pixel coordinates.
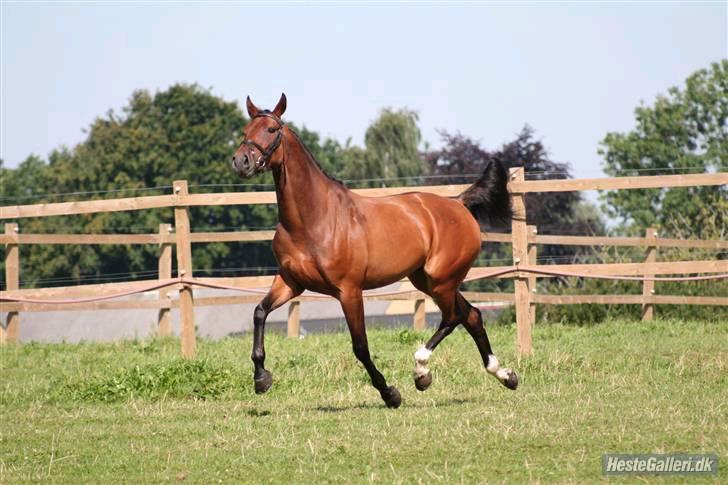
(440, 215)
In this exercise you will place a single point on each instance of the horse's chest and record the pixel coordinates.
(305, 268)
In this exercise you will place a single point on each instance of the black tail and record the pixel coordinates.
(488, 199)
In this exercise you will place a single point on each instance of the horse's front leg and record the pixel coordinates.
(353, 306)
(280, 292)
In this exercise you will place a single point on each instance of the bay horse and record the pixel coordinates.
(333, 241)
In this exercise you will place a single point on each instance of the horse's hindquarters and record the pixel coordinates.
(411, 231)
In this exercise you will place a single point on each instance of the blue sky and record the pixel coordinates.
(573, 71)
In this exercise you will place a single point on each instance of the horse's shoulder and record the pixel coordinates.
(281, 237)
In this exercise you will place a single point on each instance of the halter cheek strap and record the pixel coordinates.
(265, 153)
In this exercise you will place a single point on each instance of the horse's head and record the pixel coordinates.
(262, 139)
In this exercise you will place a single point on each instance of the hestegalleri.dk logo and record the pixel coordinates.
(654, 464)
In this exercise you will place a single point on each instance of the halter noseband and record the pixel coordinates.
(265, 153)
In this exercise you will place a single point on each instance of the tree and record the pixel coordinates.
(463, 159)
(391, 149)
(183, 132)
(24, 184)
(328, 153)
(552, 212)
(684, 131)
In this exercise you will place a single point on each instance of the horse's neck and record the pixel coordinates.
(302, 188)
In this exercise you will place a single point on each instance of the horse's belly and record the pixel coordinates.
(393, 255)
(378, 280)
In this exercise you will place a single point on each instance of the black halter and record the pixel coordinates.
(265, 153)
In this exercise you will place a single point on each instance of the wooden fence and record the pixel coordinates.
(523, 238)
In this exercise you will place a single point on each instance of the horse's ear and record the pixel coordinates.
(252, 109)
(281, 106)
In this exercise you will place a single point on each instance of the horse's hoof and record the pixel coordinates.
(263, 382)
(423, 382)
(511, 382)
(391, 397)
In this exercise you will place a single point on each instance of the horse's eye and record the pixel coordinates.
(272, 130)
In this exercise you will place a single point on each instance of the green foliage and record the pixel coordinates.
(408, 336)
(684, 131)
(712, 227)
(392, 142)
(199, 379)
(589, 314)
(463, 159)
(328, 152)
(551, 212)
(585, 314)
(182, 133)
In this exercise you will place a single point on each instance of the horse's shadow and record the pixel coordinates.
(256, 413)
(368, 405)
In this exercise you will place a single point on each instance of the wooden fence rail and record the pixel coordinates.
(524, 240)
(248, 198)
(249, 236)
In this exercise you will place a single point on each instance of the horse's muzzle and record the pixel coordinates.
(243, 164)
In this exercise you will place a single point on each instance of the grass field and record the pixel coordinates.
(134, 412)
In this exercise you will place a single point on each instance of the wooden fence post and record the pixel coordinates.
(294, 319)
(648, 286)
(9, 333)
(184, 269)
(519, 236)
(532, 261)
(419, 320)
(165, 272)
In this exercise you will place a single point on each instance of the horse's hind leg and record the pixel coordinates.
(474, 325)
(422, 375)
(444, 296)
(455, 310)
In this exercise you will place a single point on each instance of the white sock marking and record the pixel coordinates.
(503, 374)
(422, 356)
(493, 364)
(495, 369)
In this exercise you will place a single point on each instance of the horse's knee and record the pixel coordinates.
(259, 314)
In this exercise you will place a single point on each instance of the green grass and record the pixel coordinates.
(135, 412)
